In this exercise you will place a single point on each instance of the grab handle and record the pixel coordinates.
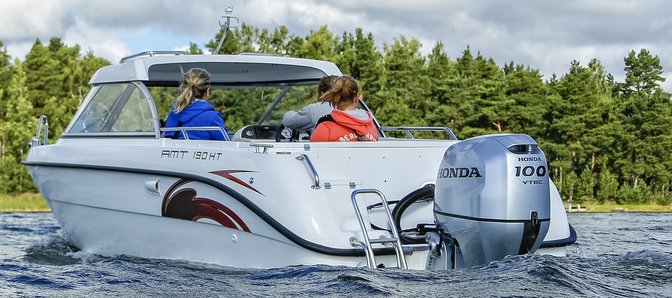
(306, 161)
(42, 123)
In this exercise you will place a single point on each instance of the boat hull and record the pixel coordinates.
(267, 212)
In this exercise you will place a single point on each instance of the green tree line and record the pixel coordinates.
(604, 140)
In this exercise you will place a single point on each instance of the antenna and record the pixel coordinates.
(227, 25)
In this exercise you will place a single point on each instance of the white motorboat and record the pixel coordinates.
(269, 197)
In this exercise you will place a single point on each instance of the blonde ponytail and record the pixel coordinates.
(344, 90)
(194, 85)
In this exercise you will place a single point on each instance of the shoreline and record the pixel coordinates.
(613, 207)
(25, 211)
(25, 202)
(35, 203)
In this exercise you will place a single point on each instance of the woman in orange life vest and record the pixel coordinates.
(345, 123)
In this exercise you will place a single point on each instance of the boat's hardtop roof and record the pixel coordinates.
(225, 69)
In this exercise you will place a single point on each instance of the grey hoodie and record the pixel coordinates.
(307, 117)
(359, 113)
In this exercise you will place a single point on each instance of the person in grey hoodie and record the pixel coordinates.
(307, 117)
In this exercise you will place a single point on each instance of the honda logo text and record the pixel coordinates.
(459, 173)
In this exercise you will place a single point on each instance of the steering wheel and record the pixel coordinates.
(96, 113)
(286, 133)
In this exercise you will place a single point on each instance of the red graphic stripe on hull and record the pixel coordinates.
(227, 174)
(219, 207)
(183, 204)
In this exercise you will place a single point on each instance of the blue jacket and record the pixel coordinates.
(199, 113)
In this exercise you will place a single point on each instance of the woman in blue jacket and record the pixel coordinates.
(192, 109)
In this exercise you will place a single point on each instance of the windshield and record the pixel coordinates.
(243, 106)
(115, 108)
(123, 108)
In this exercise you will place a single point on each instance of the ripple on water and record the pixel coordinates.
(625, 255)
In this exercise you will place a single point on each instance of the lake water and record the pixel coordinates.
(617, 254)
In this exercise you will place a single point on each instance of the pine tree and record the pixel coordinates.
(643, 73)
(481, 95)
(525, 103)
(367, 68)
(237, 40)
(70, 75)
(403, 89)
(345, 56)
(607, 185)
(646, 113)
(581, 122)
(194, 49)
(319, 44)
(440, 71)
(15, 132)
(280, 40)
(43, 75)
(5, 77)
(264, 42)
(586, 185)
(276, 42)
(5, 71)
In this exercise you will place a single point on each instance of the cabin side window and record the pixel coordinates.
(115, 108)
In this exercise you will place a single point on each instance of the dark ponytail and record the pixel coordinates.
(343, 90)
(325, 84)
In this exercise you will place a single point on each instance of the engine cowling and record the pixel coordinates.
(492, 197)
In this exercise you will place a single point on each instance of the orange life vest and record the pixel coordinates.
(343, 127)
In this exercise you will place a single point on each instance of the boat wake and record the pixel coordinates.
(584, 273)
(54, 250)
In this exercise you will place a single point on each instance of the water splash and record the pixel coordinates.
(608, 260)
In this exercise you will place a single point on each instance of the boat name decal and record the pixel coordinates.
(199, 155)
(205, 155)
(173, 153)
(459, 173)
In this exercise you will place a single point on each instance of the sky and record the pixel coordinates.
(544, 35)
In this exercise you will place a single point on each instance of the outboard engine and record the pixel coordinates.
(492, 198)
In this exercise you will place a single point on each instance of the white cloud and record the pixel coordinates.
(106, 43)
(545, 35)
(17, 50)
(29, 19)
(667, 85)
